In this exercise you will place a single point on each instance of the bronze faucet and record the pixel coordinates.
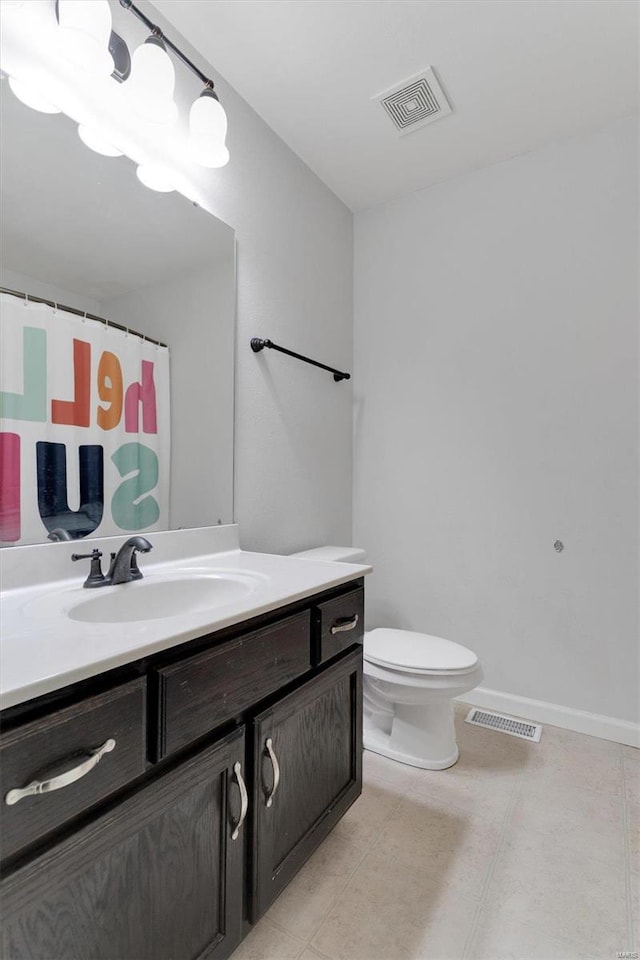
(123, 567)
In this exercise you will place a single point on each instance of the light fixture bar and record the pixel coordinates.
(155, 29)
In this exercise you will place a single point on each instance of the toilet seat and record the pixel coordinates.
(405, 651)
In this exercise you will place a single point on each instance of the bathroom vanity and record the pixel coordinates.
(226, 755)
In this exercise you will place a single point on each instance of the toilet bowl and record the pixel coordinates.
(410, 682)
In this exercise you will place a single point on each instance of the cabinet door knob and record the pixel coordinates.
(276, 771)
(344, 625)
(244, 800)
(64, 779)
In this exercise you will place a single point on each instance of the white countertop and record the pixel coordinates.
(44, 649)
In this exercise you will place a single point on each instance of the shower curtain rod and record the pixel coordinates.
(80, 313)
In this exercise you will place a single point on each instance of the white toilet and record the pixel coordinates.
(410, 681)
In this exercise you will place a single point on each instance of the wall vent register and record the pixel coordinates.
(416, 102)
(505, 724)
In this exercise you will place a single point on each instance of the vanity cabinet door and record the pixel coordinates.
(157, 878)
(307, 773)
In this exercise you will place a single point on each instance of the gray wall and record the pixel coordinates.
(193, 315)
(293, 436)
(496, 410)
(26, 283)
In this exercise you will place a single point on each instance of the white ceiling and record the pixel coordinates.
(518, 73)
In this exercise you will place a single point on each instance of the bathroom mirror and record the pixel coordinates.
(79, 229)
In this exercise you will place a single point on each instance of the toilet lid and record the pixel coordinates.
(405, 650)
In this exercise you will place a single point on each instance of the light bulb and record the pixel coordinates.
(85, 29)
(32, 97)
(154, 177)
(208, 130)
(208, 156)
(95, 141)
(152, 82)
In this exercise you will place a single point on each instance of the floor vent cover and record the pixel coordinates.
(415, 102)
(505, 724)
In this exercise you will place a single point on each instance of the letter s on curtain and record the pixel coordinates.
(130, 509)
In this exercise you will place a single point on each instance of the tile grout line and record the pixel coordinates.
(271, 923)
(368, 848)
(366, 851)
(506, 819)
(563, 940)
(318, 953)
(627, 852)
(326, 913)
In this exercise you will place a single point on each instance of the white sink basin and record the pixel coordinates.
(159, 599)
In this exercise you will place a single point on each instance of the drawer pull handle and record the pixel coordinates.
(276, 770)
(65, 779)
(244, 800)
(343, 626)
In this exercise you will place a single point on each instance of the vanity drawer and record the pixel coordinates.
(60, 748)
(338, 624)
(198, 694)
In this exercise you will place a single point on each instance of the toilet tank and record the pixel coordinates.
(341, 554)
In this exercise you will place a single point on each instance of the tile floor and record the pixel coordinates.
(520, 851)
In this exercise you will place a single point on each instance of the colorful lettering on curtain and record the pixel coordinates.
(84, 427)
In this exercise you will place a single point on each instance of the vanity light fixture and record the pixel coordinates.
(92, 139)
(207, 118)
(208, 130)
(72, 61)
(152, 82)
(85, 30)
(154, 177)
(32, 97)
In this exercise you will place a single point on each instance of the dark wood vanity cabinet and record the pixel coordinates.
(156, 878)
(174, 858)
(197, 693)
(337, 624)
(32, 752)
(307, 771)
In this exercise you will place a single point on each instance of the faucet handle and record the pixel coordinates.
(96, 577)
(94, 555)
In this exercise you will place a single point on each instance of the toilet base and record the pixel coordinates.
(421, 735)
(377, 742)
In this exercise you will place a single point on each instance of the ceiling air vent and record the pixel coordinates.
(416, 102)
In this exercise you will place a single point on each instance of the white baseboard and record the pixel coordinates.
(593, 724)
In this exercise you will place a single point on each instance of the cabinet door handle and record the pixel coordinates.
(276, 770)
(64, 779)
(344, 625)
(244, 800)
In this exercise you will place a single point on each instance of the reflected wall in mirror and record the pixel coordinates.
(79, 229)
